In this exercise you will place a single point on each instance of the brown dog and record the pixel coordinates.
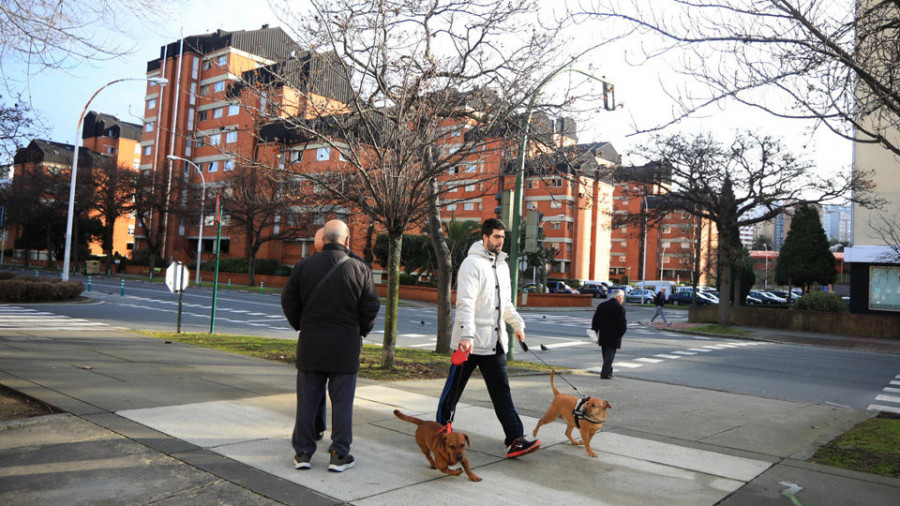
(591, 416)
(448, 447)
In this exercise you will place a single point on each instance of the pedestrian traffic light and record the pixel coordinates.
(505, 210)
(609, 96)
(533, 231)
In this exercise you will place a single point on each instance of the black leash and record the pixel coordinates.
(525, 348)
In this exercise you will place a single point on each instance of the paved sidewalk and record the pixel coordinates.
(150, 422)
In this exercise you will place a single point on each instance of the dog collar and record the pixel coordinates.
(448, 428)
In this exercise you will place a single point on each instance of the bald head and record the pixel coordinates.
(618, 294)
(318, 242)
(336, 232)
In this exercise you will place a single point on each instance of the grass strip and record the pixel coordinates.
(408, 363)
(720, 330)
(872, 446)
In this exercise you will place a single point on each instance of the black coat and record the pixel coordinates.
(344, 309)
(609, 322)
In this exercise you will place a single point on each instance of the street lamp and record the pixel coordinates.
(643, 240)
(67, 256)
(766, 279)
(202, 202)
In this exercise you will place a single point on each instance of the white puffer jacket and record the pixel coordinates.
(476, 310)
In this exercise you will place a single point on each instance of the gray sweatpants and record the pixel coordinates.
(659, 312)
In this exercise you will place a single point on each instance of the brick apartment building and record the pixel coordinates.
(206, 114)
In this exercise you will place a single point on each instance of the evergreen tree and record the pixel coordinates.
(805, 258)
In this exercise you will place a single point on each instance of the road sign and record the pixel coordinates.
(177, 277)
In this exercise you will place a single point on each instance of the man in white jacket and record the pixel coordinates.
(483, 308)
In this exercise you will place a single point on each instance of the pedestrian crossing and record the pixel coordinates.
(659, 358)
(20, 318)
(889, 401)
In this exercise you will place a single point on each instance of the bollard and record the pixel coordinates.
(123, 287)
(89, 284)
(228, 286)
(36, 274)
(260, 287)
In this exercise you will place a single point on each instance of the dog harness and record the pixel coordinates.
(579, 414)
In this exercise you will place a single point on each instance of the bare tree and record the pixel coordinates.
(262, 205)
(749, 181)
(431, 86)
(112, 192)
(149, 204)
(16, 127)
(801, 59)
(36, 35)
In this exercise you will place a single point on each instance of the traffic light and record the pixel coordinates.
(505, 210)
(609, 96)
(533, 231)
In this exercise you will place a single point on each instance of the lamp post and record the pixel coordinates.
(643, 239)
(766, 279)
(67, 255)
(202, 202)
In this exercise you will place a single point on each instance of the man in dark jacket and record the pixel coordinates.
(610, 324)
(659, 300)
(330, 298)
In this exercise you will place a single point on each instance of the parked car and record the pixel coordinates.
(784, 295)
(595, 289)
(559, 287)
(637, 295)
(753, 301)
(685, 297)
(625, 288)
(532, 288)
(767, 297)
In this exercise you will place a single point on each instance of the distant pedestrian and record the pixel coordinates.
(331, 299)
(610, 325)
(483, 308)
(659, 300)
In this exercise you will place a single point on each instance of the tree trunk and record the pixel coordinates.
(395, 245)
(725, 284)
(444, 272)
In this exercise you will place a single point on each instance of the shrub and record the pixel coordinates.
(242, 266)
(827, 302)
(35, 289)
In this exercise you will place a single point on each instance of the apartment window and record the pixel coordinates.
(471, 168)
(233, 110)
(207, 65)
(296, 155)
(110, 150)
(686, 245)
(195, 67)
(215, 139)
(469, 206)
(190, 119)
(323, 154)
(204, 115)
(222, 60)
(148, 126)
(341, 156)
(148, 150)
(622, 258)
(451, 207)
(219, 87)
(454, 170)
(204, 90)
(151, 104)
(555, 204)
(201, 141)
(555, 183)
(193, 99)
(453, 190)
(231, 137)
(554, 225)
(534, 184)
(229, 165)
(187, 147)
(212, 167)
(218, 112)
(470, 187)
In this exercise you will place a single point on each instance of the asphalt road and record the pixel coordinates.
(789, 372)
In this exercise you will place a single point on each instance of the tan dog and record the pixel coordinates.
(592, 415)
(448, 448)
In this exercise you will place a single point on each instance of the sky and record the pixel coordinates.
(60, 96)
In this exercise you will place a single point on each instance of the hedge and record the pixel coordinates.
(36, 289)
(826, 302)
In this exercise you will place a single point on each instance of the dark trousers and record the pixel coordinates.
(609, 354)
(321, 416)
(493, 370)
(310, 394)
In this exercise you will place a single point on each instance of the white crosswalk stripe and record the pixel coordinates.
(888, 403)
(19, 318)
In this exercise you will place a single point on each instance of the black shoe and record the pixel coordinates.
(302, 461)
(522, 446)
(339, 464)
(319, 436)
(605, 376)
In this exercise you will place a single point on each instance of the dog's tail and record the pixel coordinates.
(552, 374)
(406, 418)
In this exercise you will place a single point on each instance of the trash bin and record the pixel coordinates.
(92, 267)
(524, 298)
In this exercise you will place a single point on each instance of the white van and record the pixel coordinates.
(670, 286)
